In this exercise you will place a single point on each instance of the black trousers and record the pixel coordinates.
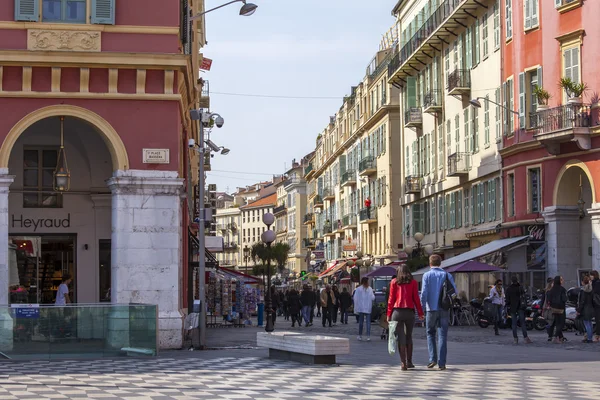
(558, 323)
(406, 322)
(327, 313)
(597, 316)
(312, 314)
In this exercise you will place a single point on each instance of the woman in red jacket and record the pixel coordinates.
(404, 298)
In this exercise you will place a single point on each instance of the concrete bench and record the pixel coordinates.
(137, 351)
(295, 346)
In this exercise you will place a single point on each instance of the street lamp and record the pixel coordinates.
(246, 257)
(476, 103)
(201, 149)
(421, 250)
(268, 237)
(247, 9)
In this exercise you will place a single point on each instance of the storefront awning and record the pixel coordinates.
(484, 250)
(332, 270)
(247, 279)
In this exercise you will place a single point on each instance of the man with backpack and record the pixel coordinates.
(437, 291)
(516, 301)
(596, 302)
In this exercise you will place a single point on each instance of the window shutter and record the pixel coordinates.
(459, 209)
(575, 64)
(27, 10)
(342, 164)
(103, 12)
(505, 101)
(407, 161)
(522, 100)
(527, 13)
(557, 3)
(534, 13)
(568, 64)
(477, 39)
(539, 77)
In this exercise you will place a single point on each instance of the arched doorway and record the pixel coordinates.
(52, 234)
(570, 224)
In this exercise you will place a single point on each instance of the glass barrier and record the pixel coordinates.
(32, 331)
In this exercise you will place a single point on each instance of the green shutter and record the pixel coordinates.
(27, 10)
(103, 12)
(539, 77)
(522, 100)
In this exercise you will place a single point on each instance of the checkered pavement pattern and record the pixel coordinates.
(260, 378)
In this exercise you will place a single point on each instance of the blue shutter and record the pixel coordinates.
(27, 10)
(103, 12)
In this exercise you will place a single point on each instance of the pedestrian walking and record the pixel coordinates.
(557, 297)
(306, 298)
(274, 304)
(596, 301)
(546, 309)
(436, 318)
(313, 302)
(327, 303)
(319, 304)
(363, 305)
(336, 306)
(294, 307)
(286, 304)
(498, 298)
(345, 301)
(403, 299)
(516, 303)
(585, 308)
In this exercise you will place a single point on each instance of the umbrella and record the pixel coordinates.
(473, 266)
(382, 271)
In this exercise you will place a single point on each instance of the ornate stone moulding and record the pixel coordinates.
(55, 40)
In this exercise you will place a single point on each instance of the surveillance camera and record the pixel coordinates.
(191, 143)
(219, 121)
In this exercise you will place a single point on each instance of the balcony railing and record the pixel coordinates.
(413, 117)
(205, 95)
(459, 82)
(458, 164)
(445, 10)
(317, 201)
(279, 209)
(413, 184)
(308, 169)
(564, 117)
(367, 214)
(307, 242)
(349, 220)
(232, 226)
(327, 229)
(383, 64)
(328, 194)
(348, 177)
(367, 164)
(310, 217)
(432, 102)
(230, 246)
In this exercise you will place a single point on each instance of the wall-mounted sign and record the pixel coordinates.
(36, 223)
(156, 156)
(26, 310)
(461, 244)
(349, 245)
(537, 233)
(206, 64)
(319, 255)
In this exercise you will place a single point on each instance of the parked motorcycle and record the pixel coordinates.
(539, 322)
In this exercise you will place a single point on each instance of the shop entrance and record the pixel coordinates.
(37, 266)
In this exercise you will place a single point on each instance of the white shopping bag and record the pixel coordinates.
(392, 337)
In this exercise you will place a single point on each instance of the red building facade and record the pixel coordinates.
(114, 80)
(550, 153)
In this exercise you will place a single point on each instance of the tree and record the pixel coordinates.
(280, 252)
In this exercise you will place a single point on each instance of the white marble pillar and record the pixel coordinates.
(146, 246)
(594, 213)
(6, 321)
(563, 242)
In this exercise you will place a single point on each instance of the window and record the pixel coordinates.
(458, 209)
(484, 28)
(418, 211)
(457, 133)
(66, 11)
(533, 78)
(566, 5)
(407, 161)
(452, 210)
(509, 103)
(497, 116)
(466, 127)
(508, 19)
(447, 58)
(486, 121)
(497, 25)
(511, 194)
(38, 178)
(475, 143)
(535, 190)
(433, 227)
(469, 48)
(491, 194)
(440, 154)
(531, 14)
(477, 40)
(426, 222)
(571, 63)
(466, 213)
(448, 138)
(442, 213)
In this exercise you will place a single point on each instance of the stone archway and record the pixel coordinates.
(566, 186)
(120, 160)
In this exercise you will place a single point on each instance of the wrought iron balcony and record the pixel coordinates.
(367, 166)
(459, 82)
(458, 164)
(413, 117)
(349, 221)
(229, 246)
(308, 169)
(232, 226)
(307, 242)
(368, 215)
(432, 102)
(348, 178)
(568, 123)
(413, 184)
(205, 95)
(327, 229)
(436, 31)
(309, 218)
(328, 194)
(279, 209)
(317, 201)
(222, 227)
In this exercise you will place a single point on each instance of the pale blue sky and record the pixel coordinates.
(306, 48)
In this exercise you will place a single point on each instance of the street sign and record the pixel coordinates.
(156, 156)
(26, 310)
(206, 64)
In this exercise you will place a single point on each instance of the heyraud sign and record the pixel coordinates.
(20, 222)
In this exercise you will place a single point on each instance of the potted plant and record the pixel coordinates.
(595, 111)
(542, 96)
(574, 90)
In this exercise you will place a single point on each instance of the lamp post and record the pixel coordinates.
(246, 257)
(268, 237)
(201, 149)
(247, 9)
(421, 250)
(476, 103)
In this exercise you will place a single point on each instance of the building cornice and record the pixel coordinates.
(150, 30)
(520, 148)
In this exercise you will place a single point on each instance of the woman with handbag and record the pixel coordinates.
(498, 299)
(585, 308)
(557, 297)
(546, 310)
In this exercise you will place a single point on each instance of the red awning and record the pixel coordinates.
(247, 279)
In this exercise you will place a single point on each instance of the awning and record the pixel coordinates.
(244, 278)
(484, 250)
(388, 270)
(333, 269)
(473, 266)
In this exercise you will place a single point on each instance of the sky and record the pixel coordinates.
(288, 48)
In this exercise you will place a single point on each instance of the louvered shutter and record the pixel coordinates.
(535, 20)
(557, 3)
(527, 13)
(539, 77)
(103, 12)
(575, 64)
(27, 10)
(522, 100)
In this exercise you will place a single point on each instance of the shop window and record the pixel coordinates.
(535, 190)
(38, 178)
